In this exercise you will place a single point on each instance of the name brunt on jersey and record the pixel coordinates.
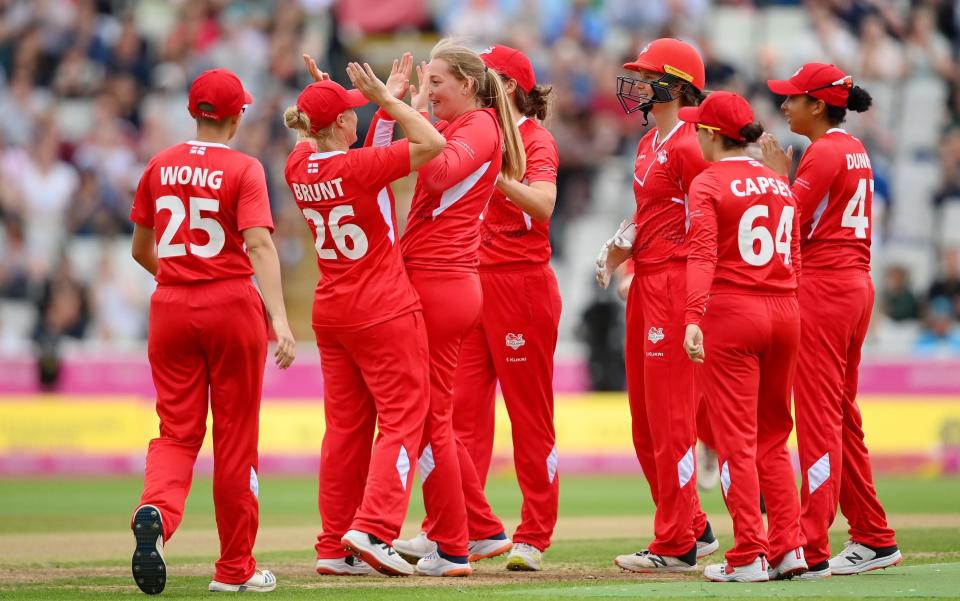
(318, 191)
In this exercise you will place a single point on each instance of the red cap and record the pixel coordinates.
(667, 55)
(322, 101)
(825, 82)
(723, 110)
(220, 88)
(511, 63)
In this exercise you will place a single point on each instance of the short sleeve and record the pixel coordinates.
(543, 160)
(253, 201)
(377, 166)
(142, 211)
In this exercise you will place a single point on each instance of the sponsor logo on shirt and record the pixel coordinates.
(515, 341)
(655, 335)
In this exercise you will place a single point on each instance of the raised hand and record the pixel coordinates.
(774, 156)
(420, 96)
(313, 69)
(365, 80)
(399, 81)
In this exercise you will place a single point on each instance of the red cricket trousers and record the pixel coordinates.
(514, 343)
(663, 406)
(451, 307)
(207, 342)
(750, 357)
(834, 462)
(373, 378)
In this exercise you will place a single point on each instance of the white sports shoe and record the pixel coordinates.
(524, 558)
(707, 544)
(792, 564)
(645, 562)
(343, 566)
(434, 565)
(415, 548)
(378, 554)
(723, 572)
(262, 581)
(857, 558)
(816, 572)
(488, 547)
(149, 567)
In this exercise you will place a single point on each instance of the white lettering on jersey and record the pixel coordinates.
(318, 191)
(760, 185)
(858, 160)
(195, 176)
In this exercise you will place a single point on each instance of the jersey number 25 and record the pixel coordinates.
(166, 248)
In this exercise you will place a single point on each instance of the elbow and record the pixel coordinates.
(545, 211)
(437, 144)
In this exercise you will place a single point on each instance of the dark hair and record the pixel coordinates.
(535, 103)
(206, 107)
(750, 132)
(859, 101)
(691, 96)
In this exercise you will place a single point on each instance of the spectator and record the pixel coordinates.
(947, 285)
(940, 337)
(898, 301)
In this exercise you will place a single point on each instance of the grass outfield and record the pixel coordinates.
(68, 539)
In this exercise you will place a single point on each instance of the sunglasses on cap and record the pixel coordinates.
(707, 127)
(846, 82)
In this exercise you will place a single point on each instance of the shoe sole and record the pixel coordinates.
(412, 558)
(789, 574)
(664, 570)
(332, 572)
(879, 565)
(747, 580)
(147, 565)
(455, 573)
(220, 587)
(496, 552)
(708, 549)
(814, 575)
(372, 559)
(519, 565)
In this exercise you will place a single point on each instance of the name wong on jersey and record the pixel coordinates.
(194, 176)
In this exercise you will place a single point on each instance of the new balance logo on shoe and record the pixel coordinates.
(659, 561)
(854, 558)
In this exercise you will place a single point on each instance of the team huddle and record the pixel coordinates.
(416, 330)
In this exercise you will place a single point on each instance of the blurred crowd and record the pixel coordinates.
(90, 89)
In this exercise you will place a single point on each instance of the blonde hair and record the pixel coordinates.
(299, 121)
(466, 65)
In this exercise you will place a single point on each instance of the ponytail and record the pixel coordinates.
(750, 132)
(535, 103)
(299, 121)
(466, 65)
(494, 95)
(858, 100)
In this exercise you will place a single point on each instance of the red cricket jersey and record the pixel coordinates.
(198, 197)
(443, 228)
(834, 192)
(743, 234)
(344, 198)
(661, 179)
(509, 237)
